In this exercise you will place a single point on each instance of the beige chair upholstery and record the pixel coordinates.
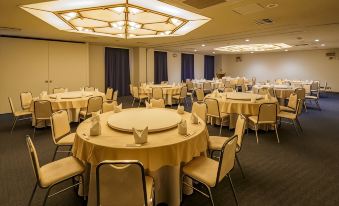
(26, 99)
(18, 115)
(293, 116)
(108, 106)
(214, 112)
(94, 104)
(200, 95)
(267, 115)
(138, 96)
(182, 96)
(207, 87)
(115, 96)
(292, 103)
(157, 93)
(190, 86)
(210, 172)
(164, 82)
(61, 131)
(200, 109)
(158, 103)
(215, 143)
(89, 89)
(59, 90)
(123, 183)
(228, 89)
(42, 112)
(109, 93)
(314, 94)
(51, 174)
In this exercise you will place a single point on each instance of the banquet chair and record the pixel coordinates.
(200, 109)
(108, 106)
(53, 173)
(26, 99)
(315, 87)
(291, 105)
(271, 92)
(301, 93)
(137, 95)
(200, 95)
(94, 104)
(267, 115)
(314, 96)
(123, 182)
(61, 131)
(115, 96)
(18, 115)
(164, 82)
(59, 90)
(210, 172)
(215, 143)
(240, 84)
(42, 112)
(109, 94)
(89, 89)
(158, 103)
(263, 91)
(207, 87)
(293, 116)
(190, 90)
(182, 96)
(213, 111)
(228, 89)
(157, 93)
(325, 88)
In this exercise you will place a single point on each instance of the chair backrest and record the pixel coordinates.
(207, 86)
(11, 105)
(228, 89)
(34, 158)
(59, 90)
(227, 157)
(271, 91)
(267, 113)
(183, 92)
(115, 95)
(240, 129)
(307, 88)
(157, 93)
(26, 100)
(108, 106)
(164, 82)
(301, 92)
(135, 91)
(263, 91)
(300, 105)
(121, 183)
(212, 107)
(94, 104)
(200, 94)
(200, 109)
(131, 89)
(42, 109)
(241, 81)
(158, 103)
(293, 101)
(315, 86)
(109, 93)
(60, 125)
(189, 85)
(89, 89)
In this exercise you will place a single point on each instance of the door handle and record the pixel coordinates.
(46, 81)
(50, 81)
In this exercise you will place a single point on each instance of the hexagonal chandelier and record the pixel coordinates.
(117, 18)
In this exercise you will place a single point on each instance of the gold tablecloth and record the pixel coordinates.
(168, 91)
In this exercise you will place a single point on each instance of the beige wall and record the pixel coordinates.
(25, 65)
(304, 65)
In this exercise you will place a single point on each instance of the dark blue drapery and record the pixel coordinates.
(160, 67)
(117, 74)
(187, 66)
(209, 67)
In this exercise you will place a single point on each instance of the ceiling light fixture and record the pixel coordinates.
(286, 50)
(317, 40)
(247, 40)
(322, 44)
(203, 45)
(253, 47)
(213, 52)
(117, 18)
(195, 50)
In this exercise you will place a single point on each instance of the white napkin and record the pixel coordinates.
(194, 118)
(182, 127)
(140, 136)
(58, 96)
(267, 97)
(96, 90)
(181, 109)
(215, 93)
(43, 95)
(118, 108)
(95, 129)
(148, 105)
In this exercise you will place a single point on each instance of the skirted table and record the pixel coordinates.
(168, 91)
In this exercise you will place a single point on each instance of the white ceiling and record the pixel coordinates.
(295, 22)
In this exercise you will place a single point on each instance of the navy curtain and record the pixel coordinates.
(187, 66)
(160, 67)
(117, 74)
(209, 67)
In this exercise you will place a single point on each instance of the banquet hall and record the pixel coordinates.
(169, 102)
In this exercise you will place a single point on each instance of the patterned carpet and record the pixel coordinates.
(301, 170)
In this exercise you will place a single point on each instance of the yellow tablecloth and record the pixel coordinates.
(168, 91)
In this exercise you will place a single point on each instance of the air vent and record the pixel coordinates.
(248, 9)
(263, 21)
(201, 4)
(301, 44)
(9, 29)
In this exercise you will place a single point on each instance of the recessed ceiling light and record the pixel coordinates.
(247, 40)
(253, 47)
(317, 40)
(271, 6)
(286, 50)
(322, 44)
(252, 52)
(195, 50)
(203, 45)
(213, 52)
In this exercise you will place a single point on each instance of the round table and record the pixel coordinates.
(161, 156)
(168, 91)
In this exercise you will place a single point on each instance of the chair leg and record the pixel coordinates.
(55, 152)
(139, 103)
(305, 106)
(210, 194)
(32, 195)
(14, 122)
(34, 131)
(242, 172)
(276, 132)
(256, 133)
(317, 102)
(46, 196)
(233, 190)
(220, 127)
(295, 127)
(133, 101)
(299, 124)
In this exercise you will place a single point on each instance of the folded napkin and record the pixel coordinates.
(96, 90)
(58, 96)
(118, 108)
(148, 105)
(140, 136)
(43, 95)
(182, 127)
(194, 118)
(267, 97)
(95, 129)
(181, 109)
